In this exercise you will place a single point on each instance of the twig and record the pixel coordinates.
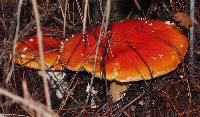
(41, 54)
(130, 103)
(191, 53)
(85, 16)
(69, 93)
(15, 41)
(138, 6)
(79, 9)
(47, 5)
(103, 31)
(38, 107)
(25, 89)
(189, 92)
(3, 22)
(172, 103)
(108, 7)
(64, 12)
(192, 33)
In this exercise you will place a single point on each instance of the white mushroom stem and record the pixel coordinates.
(56, 81)
(117, 90)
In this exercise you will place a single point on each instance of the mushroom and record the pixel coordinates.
(27, 53)
(135, 49)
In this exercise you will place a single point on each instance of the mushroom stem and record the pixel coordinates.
(58, 82)
(117, 90)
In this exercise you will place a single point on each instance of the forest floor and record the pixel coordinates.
(174, 94)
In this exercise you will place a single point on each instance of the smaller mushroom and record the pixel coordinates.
(27, 53)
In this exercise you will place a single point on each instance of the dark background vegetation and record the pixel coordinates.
(171, 95)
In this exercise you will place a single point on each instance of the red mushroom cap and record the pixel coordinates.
(27, 53)
(136, 50)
